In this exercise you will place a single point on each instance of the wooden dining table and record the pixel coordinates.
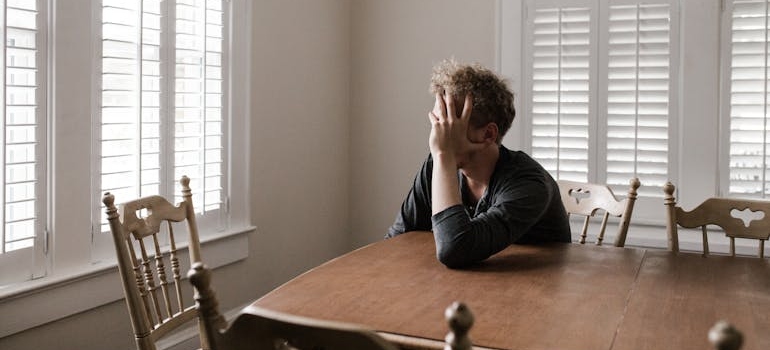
(554, 296)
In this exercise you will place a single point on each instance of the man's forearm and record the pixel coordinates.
(445, 186)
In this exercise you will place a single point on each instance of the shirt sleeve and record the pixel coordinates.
(415, 211)
(462, 240)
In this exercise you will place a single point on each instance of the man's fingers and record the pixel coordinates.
(439, 109)
(467, 107)
(432, 118)
(450, 106)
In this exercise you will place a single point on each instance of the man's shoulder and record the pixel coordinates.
(521, 169)
(519, 160)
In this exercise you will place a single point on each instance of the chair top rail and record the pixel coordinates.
(718, 211)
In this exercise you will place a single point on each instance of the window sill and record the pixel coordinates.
(37, 302)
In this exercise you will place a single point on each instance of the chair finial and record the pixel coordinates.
(200, 276)
(108, 199)
(668, 189)
(185, 181)
(634, 183)
(109, 202)
(460, 320)
(723, 336)
(205, 298)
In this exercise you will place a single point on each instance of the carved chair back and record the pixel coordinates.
(738, 218)
(587, 199)
(149, 262)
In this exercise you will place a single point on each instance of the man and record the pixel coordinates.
(477, 196)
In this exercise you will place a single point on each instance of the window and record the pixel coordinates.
(108, 87)
(24, 139)
(600, 93)
(137, 96)
(162, 104)
(747, 98)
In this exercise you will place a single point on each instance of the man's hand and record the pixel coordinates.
(448, 144)
(449, 131)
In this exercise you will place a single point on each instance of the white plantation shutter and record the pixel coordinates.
(130, 104)
(599, 99)
(560, 93)
(162, 92)
(198, 103)
(23, 126)
(638, 80)
(748, 99)
(23, 102)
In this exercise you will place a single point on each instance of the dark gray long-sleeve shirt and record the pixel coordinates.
(522, 204)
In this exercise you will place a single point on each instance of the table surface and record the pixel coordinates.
(560, 296)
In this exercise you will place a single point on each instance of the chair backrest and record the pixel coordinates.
(719, 212)
(587, 199)
(259, 328)
(149, 264)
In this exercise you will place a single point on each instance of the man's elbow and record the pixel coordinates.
(452, 256)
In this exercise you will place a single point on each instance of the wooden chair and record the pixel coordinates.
(149, 264)
(719, 212)
(587, 199)
(258, 328)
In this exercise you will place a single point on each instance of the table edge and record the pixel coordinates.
(412, 342)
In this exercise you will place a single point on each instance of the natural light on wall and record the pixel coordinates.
(23, 100)
(162, 99)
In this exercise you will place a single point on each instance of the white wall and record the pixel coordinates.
(395, 43)
(299, 130)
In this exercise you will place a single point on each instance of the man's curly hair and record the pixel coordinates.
(492, 100)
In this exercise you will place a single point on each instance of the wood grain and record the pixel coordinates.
(678, 297)
(564, 296)
(559, 296)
